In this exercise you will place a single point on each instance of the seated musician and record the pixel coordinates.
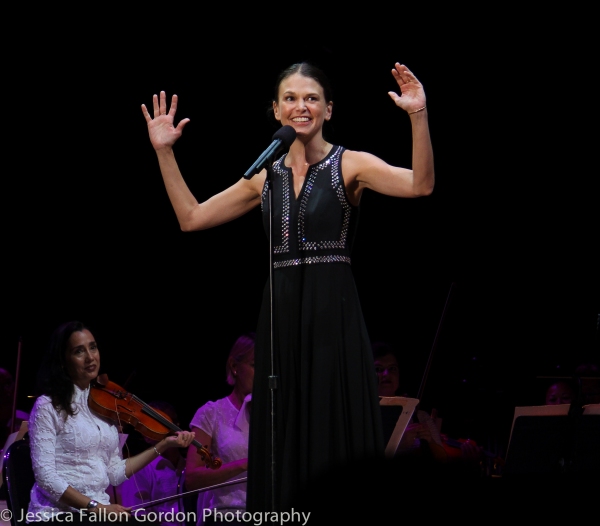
(423, 435)
(75, 452)
(223, 425)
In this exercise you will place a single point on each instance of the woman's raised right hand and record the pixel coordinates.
(160, 127)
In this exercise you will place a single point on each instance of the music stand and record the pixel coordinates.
(396, 412)
(552, 441)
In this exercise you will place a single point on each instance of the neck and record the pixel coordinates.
(237, 398)
(312, 152)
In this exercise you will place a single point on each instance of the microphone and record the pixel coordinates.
(285, 135)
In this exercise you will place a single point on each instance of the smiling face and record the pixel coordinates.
(301, 104)
(82, 358)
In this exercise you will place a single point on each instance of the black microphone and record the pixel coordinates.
(285, 135)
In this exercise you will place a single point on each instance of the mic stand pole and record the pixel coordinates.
(272, 378)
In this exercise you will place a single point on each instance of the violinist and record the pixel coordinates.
(7, 388)
(417, 434)
(8, 430)
(223, 425)
(75, 452)
(422, 437)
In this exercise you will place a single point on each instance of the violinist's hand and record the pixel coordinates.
(412, 94)
(414, 433)
(179, 439)
(160, 128)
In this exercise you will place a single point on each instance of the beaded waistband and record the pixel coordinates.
(311, 260)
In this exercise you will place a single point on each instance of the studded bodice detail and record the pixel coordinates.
(319, 225)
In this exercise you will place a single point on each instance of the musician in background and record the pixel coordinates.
(223, 426)
(583, 387)
(386, 369)
(416, 433)
(75, 452)
(8, 431)
(7, 391)
(422, 437)
(560, 392)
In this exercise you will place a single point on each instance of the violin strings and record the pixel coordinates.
(138, 490)
(156, 415)
(168, 424)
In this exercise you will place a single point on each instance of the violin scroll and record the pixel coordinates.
(211, 462)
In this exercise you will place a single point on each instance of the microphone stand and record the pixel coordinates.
(272, 378)
(286, 136)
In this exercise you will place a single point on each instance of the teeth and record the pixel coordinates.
(301, 119)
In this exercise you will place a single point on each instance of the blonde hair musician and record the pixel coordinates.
(223, 427)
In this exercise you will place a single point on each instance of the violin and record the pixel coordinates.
(453, 447)
(111, 401)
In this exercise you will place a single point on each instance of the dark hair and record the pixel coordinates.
(565, 383)
(381, 348)
(52, 379)
(306, 69)
(241, 349)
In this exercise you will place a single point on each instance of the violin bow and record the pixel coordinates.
(185, 494)
(13, 423)
(435, 340)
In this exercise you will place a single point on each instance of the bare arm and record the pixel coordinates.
(180, 439)
(198, 475)
(363, 170)
(225, 206)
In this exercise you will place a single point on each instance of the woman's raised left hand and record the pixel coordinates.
(412, 94)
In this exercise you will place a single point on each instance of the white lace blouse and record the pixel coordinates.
(82, 452)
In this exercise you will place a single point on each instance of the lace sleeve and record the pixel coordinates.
(44, 425)
(116, 463)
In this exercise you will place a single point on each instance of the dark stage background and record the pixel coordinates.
(90, 233)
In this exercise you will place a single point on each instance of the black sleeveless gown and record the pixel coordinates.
(326, 404)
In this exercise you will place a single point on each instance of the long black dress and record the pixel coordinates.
(326, 403)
